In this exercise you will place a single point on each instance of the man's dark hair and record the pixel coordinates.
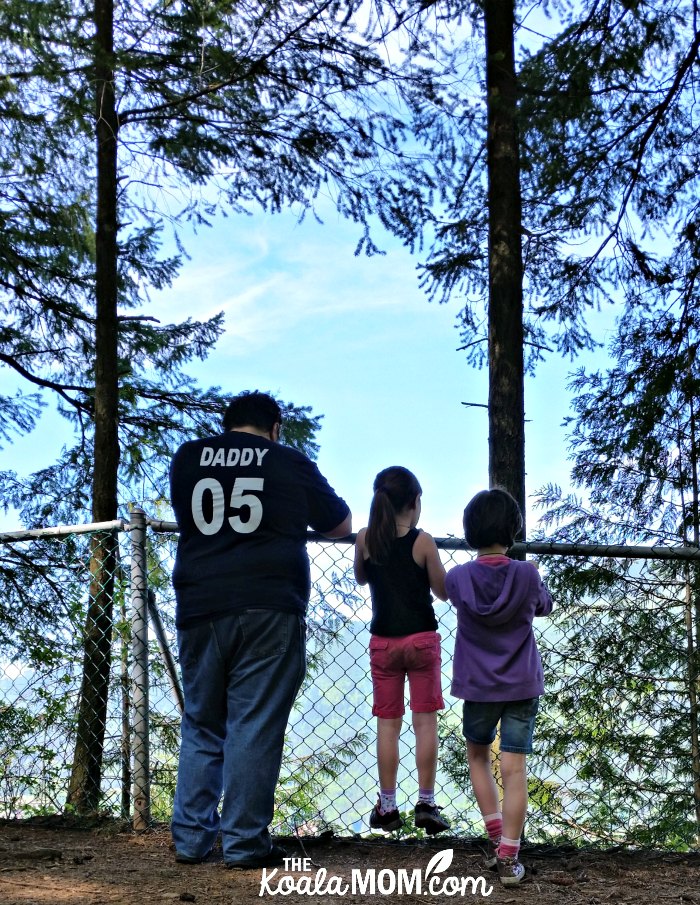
(492, 517)
(252, 409)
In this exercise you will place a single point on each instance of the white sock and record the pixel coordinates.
(387, 800)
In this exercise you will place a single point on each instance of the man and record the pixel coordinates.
(243, 504)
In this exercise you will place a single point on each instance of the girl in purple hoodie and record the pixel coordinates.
(497, 668)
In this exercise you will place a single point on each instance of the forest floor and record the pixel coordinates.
(51, 861)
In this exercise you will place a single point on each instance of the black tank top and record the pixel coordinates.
(401, 601)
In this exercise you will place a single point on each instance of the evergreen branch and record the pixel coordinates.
(60, 388)
(659, 112)
(474, 342)
(139, 114)
(29, 560)
(125, 318)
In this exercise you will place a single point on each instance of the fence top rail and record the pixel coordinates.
(614, 551)
(552, 548)
(162, 526)
(8, 537)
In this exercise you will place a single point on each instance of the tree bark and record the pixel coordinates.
(506, 335)
(85, 782)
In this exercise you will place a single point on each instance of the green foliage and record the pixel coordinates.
(42, 601)
(453, 748)
(33, 745)
(544, 796)
(165, 741)
(609, 154)
(334, 600)
(303, 782)
(122, 119)
(306, 775)
(609, 169)
(622, 650)
(408, 829)
(634, 432)
(616, 721)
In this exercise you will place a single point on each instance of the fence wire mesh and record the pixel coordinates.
(64, 674)
(616, 743)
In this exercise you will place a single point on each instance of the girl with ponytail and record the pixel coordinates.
(402, 566)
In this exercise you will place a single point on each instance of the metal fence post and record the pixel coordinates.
(139, 605)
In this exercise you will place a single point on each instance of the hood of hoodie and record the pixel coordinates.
(491, 593)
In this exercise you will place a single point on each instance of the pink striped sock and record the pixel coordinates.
(494, 826)
(508, 848)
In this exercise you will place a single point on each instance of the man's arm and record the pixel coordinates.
(341, 530)
(325, 505)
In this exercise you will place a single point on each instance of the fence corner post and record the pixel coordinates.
(141, 789)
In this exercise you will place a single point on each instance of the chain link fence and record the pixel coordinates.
(90, 699)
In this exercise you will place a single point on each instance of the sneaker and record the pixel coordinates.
(274, 858)
(510, 871)
(428, 818)
(491, 854)
(191, 859)
(387, 822)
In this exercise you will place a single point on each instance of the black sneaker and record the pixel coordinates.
(387, 822)
(274, 858)
(491, 854)
(189, 859)
(428, 818)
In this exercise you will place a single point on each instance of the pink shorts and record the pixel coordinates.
(392, 659)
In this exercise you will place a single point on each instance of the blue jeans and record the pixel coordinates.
(241, 674)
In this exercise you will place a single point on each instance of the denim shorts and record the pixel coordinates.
(517, 719)
(392, 659)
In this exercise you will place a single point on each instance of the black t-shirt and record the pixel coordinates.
(400, 589)
(243, 505)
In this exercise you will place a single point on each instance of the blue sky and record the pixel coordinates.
(356, 339)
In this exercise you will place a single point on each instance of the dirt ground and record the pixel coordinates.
(47, 861)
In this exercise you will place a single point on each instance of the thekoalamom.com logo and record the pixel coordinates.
(371, 882)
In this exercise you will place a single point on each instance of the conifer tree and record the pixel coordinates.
(195, 107)
(608, 164)
(630, 627)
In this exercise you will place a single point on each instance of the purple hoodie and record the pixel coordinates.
(496, 657)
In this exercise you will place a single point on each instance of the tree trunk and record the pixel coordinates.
(693, 617)
(84, 788)
(506, 359)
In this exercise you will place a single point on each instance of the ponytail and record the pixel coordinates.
(395, 488)
(381, 528)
